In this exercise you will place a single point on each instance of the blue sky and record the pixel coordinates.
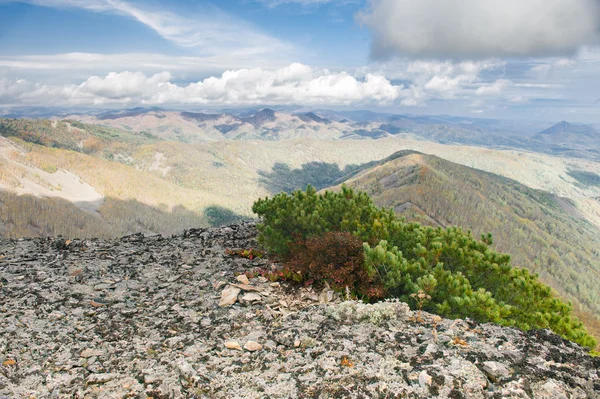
(535, 59)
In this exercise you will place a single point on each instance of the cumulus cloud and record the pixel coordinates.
(543, 70)
(294, 84)
(481, 84)
(493, 89)
(441, 80)
(481, 28)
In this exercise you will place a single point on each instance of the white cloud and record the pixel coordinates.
(275, 3)
(494, 89)
(481, 28)
(438, 80)
(519, 99)
(212, 31)
(294, 84)
(543, 70)
(479, 85)
(52, 67)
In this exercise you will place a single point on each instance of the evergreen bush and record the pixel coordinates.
(463, 276)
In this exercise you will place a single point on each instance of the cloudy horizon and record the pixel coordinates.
(496, 59)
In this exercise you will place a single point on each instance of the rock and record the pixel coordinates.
(101, 378)
(549, 390)
(251, 297)
(86, 353)
(326, 296)
(252, 346)
(246, 287)
(96, 303)
(233, 345)
(431, 349)
(313, 297)
(185, 369)
(495, 370)
(229, 296)
(242, 278)
(424, 379)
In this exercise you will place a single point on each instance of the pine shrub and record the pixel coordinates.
(463, 276)
(303, 214)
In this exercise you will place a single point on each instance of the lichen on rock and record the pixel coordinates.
(359, 312)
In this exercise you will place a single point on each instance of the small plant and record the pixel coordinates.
(277, 274)
(346, 362)
(420, 297)
(245, 253)
(436, 320)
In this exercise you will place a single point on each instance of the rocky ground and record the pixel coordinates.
(156, 317)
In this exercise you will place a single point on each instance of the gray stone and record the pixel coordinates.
(495, 370)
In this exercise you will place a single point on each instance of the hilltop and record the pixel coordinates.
(140, 316)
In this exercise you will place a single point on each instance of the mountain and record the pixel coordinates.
(261, 117)
(564, 133)
(126, 113)
(542, 232)
(86, 164)
(190, 127)
(569, 140)
(145, 316)
(564, 128)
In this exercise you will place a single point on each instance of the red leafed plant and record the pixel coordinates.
(245, 253)
(338, 258)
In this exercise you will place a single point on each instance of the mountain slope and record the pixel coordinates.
(231, 171)
(541, 232)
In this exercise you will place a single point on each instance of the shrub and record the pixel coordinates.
(296, 217)
(338, 258)
(463, 276)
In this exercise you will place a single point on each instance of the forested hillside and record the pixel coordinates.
(72, 135)
(29, 216)
(541, 232)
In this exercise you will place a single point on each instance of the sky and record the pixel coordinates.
(523, 59)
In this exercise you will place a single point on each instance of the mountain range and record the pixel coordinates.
(563, 138)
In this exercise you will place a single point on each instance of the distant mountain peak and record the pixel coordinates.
(564, 127)
(312, 117)
(261, 117)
